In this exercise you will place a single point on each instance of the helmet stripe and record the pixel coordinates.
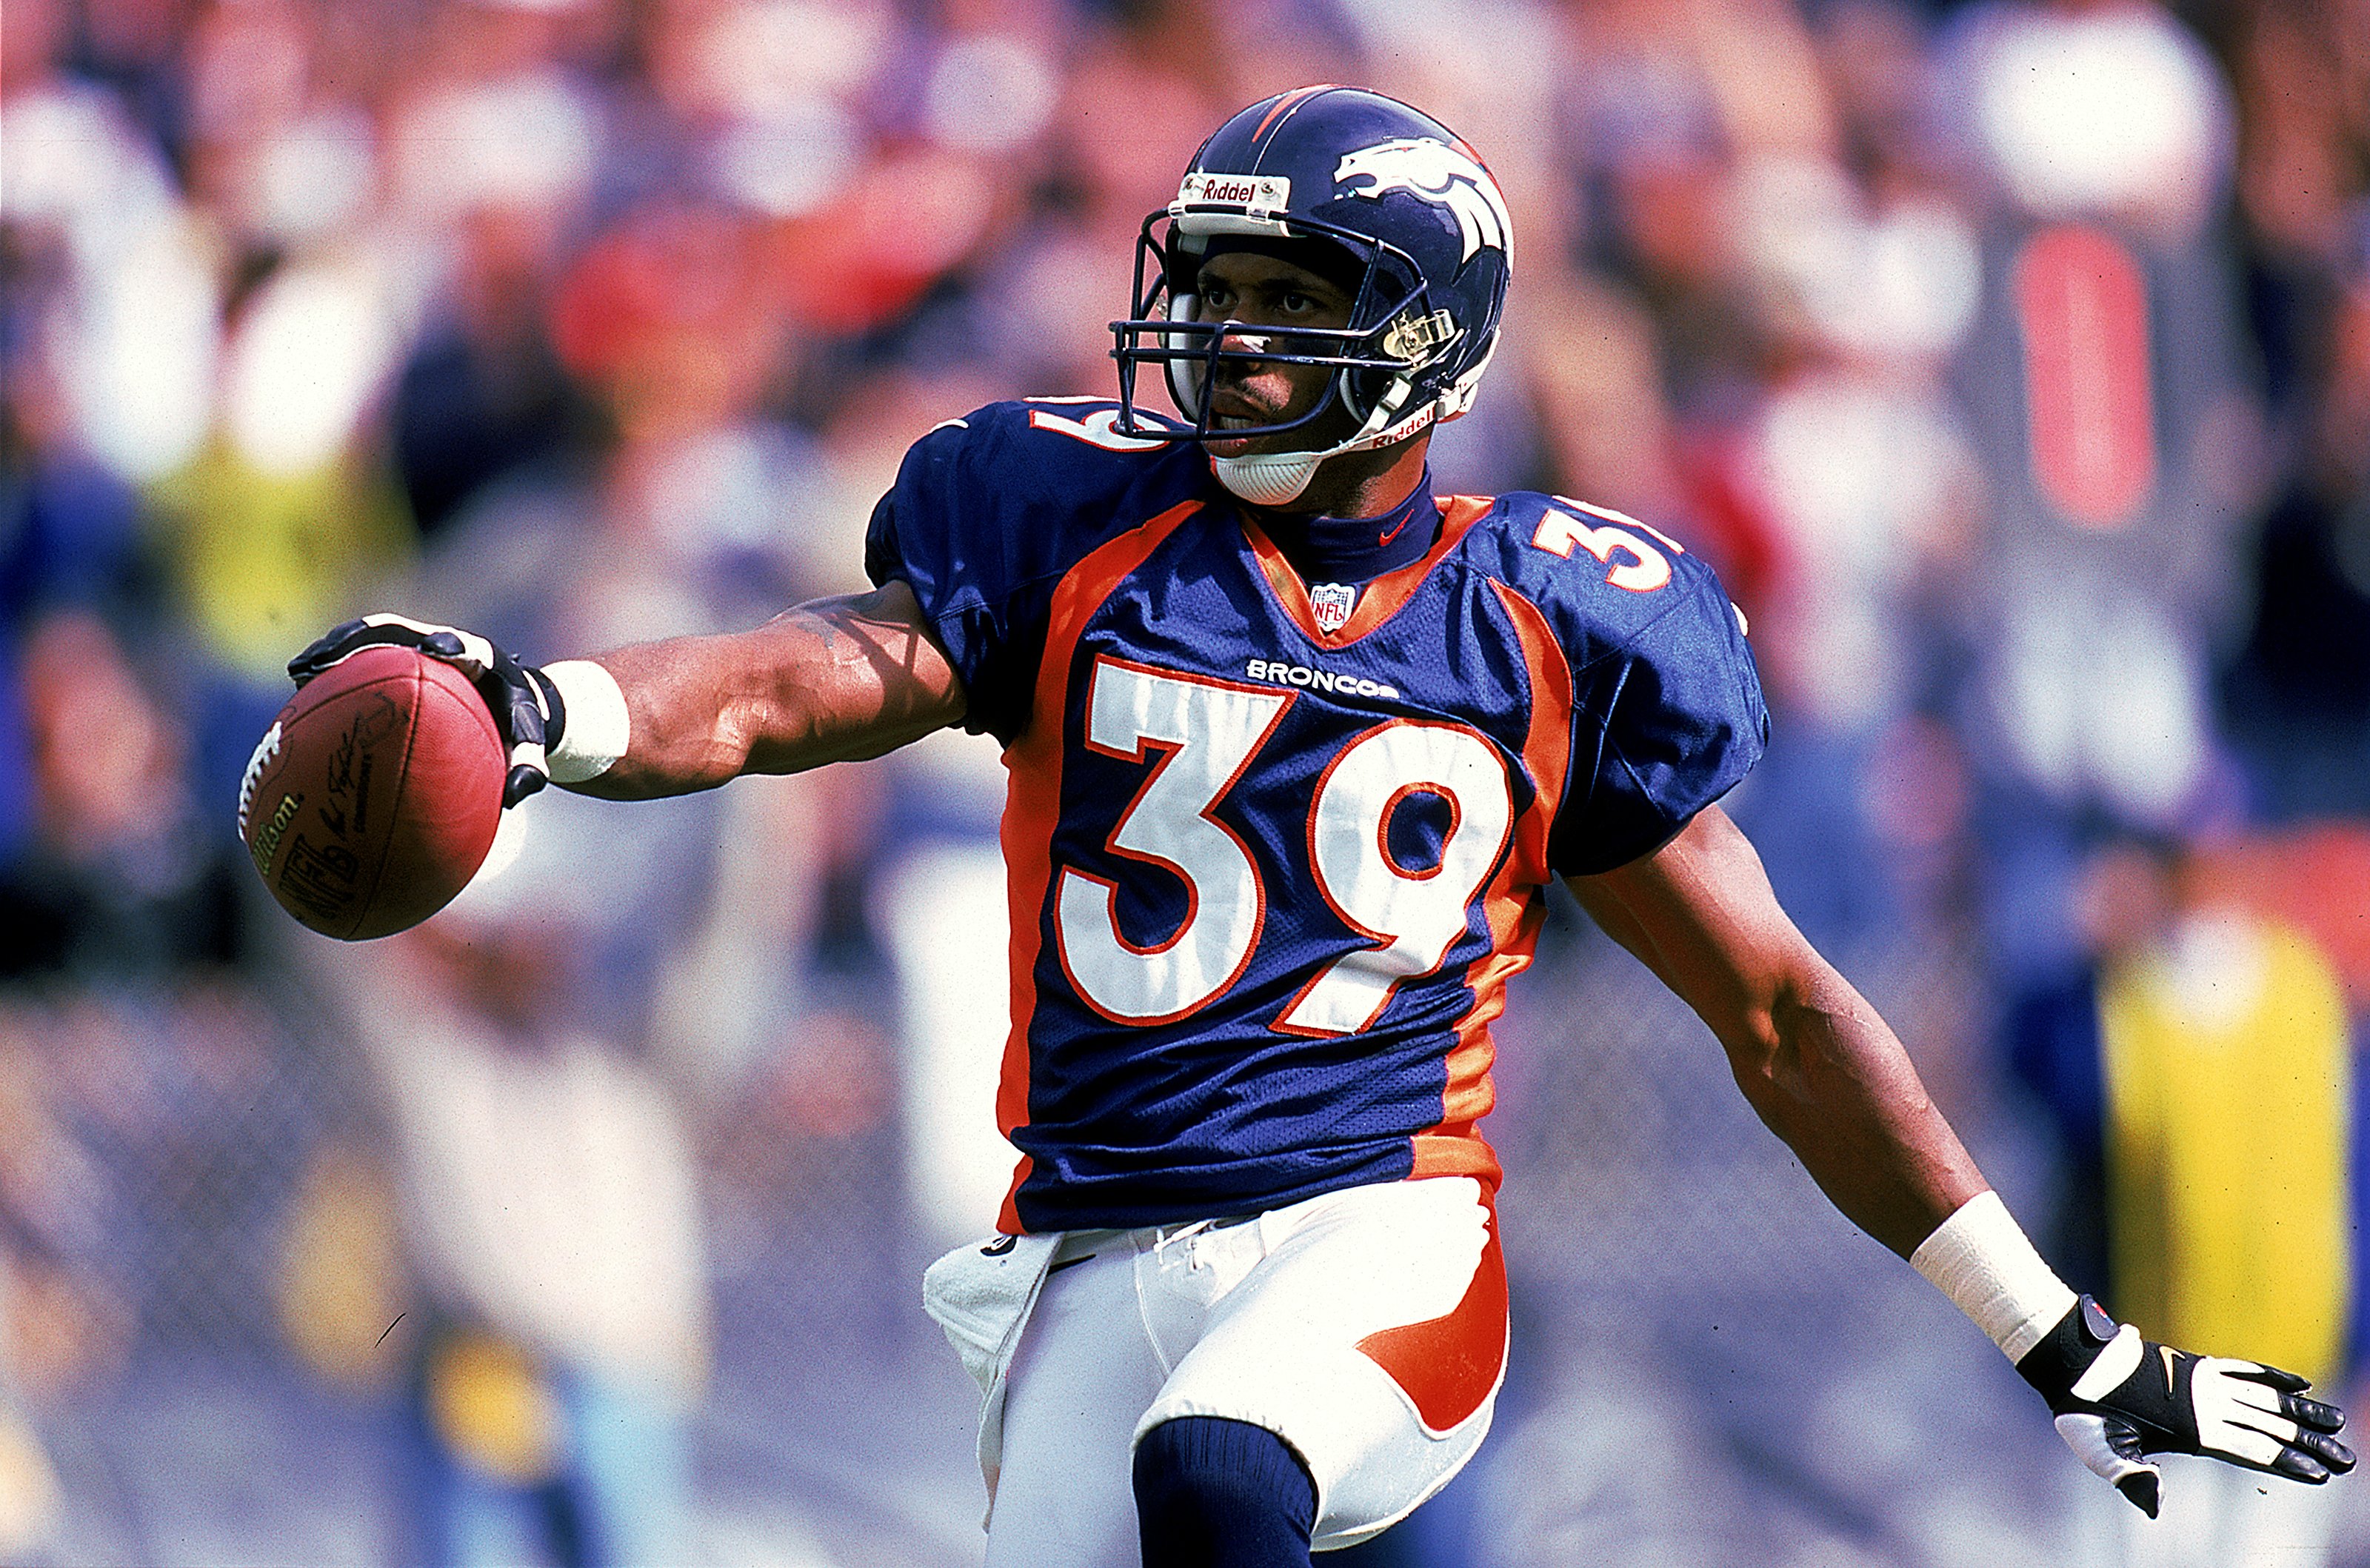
(1284, 105)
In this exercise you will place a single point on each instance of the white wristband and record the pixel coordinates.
(598, 726)
(1981, 1258)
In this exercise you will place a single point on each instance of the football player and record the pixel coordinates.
(1295, 747)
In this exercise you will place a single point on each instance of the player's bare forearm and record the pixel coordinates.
(1828, 1076)
(832, 680)
(1816, 1062)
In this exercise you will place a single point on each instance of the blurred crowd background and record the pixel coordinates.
(2011, 360)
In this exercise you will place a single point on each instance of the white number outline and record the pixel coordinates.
(1166, 752)
(1346, 969)
(1384, 941)
(1648, 568)
(1095, 429)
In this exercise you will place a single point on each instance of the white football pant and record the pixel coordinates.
(1366, 1327)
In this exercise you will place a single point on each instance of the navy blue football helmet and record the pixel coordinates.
(1424, 220)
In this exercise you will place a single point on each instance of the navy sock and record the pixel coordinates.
(1217, 1494)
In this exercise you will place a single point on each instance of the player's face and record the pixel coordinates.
(1261, 290)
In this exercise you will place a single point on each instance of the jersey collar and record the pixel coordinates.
(1381, 598)
(1355, 550)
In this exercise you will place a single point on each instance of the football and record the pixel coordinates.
(373, 797)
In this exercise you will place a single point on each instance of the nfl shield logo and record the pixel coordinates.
(1332, 601)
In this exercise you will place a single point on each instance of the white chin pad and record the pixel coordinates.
(1271, 481)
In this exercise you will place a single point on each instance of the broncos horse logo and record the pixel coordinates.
(1440, 174)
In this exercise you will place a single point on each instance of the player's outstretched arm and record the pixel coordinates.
(832, 680)
(1813, 1059)
(1827, 1075)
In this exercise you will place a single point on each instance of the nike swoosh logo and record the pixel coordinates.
(2166, 1351)
(1395, 533)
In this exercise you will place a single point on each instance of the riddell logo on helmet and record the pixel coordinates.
(1253, 193)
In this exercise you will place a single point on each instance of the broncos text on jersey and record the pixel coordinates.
(1269, 879)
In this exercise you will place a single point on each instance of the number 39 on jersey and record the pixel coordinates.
(1207, 733)
(1271, 870)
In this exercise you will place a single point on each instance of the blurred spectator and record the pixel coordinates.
(129, 334)
(482, 393)
(2299, 694)
(69, 528)
(551, 1227)
(2228, 1227)
(497, 152)
(52, 1328)
(2104, 384)
(117, 878)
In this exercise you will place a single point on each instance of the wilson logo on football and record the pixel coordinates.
(267, 839)
(1442, 175)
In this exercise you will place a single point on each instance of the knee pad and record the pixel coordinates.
(1217, 1493)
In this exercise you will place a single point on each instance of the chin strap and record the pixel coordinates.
(1275, 480)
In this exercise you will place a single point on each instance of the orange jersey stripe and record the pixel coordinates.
(1512, 904)
(1033, 803)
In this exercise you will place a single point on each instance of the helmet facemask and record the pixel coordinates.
(1390, 339)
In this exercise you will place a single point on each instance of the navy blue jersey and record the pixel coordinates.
(1274, 858)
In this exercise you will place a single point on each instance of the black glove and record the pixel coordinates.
(2119, 1398)
(525, 705)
